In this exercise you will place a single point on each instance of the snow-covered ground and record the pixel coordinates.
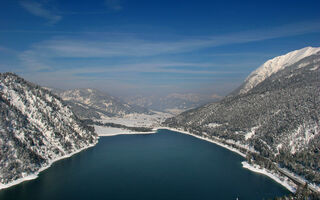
(301, 179)
(251, 133)
(284, 181)
(138, 120)
(131, 120)
(276, 64)
(110, 131)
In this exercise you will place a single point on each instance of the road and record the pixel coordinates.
(297, 180)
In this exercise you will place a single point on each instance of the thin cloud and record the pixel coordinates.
(114, 5)
(7, 50)
(124, 45)
(38, 10)
(50, 55)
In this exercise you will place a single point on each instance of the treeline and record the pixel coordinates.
(284, 113)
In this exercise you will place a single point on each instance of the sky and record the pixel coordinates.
(150, 47)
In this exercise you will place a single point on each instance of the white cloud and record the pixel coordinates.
(112, 45)
(48, 57)
(38, 9)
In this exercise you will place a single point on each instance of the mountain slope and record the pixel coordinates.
(36, 128)
(274, 65)
(276, 121)
(172, 102)
(90, 103)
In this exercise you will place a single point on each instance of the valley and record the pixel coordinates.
(273, 124)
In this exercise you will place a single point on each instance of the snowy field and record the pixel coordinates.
(110, 131)
(131, 120)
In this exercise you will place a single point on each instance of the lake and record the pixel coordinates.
(166, 165)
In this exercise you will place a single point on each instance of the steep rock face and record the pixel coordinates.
(279, 118)
(91, 103)
(274, 65)
(36, 128)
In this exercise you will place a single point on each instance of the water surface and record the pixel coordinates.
(162, 166)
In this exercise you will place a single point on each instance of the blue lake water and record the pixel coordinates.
(162, 166)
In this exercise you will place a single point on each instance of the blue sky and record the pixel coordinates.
(128, 47)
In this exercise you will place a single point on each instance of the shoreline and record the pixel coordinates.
(282, 180)
(111, 131)
(253, 168)
(206, 139)
(35, 175)
(257, 169)
(127, 133)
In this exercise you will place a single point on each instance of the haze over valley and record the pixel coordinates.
(159, 100)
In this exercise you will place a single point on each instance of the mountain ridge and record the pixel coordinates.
(273, 66)
(92, 103)
(278, 118)
(174, 102)
(36, 129)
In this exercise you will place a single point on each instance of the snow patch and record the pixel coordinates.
(103, 131)
(276, 64)
(214, 125)
(314, 68)
(251, 133)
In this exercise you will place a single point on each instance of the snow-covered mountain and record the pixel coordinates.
(91, 103)
(174, 102)
(274, 65)
(274, 119)
(36, 129)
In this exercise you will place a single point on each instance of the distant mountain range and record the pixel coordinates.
(273, 117)
(173, 102)
(91, 103)
(36, 129)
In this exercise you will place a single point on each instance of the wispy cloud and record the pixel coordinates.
(33, 62)
(128, 45)
(114, 5)
(38, 9)
(7, 50)
(124, 57)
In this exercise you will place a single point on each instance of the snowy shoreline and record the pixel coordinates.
(206, 139)
(111, 131)
(127, 133)
(284, 181)
(35, 175)
(255, 168)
